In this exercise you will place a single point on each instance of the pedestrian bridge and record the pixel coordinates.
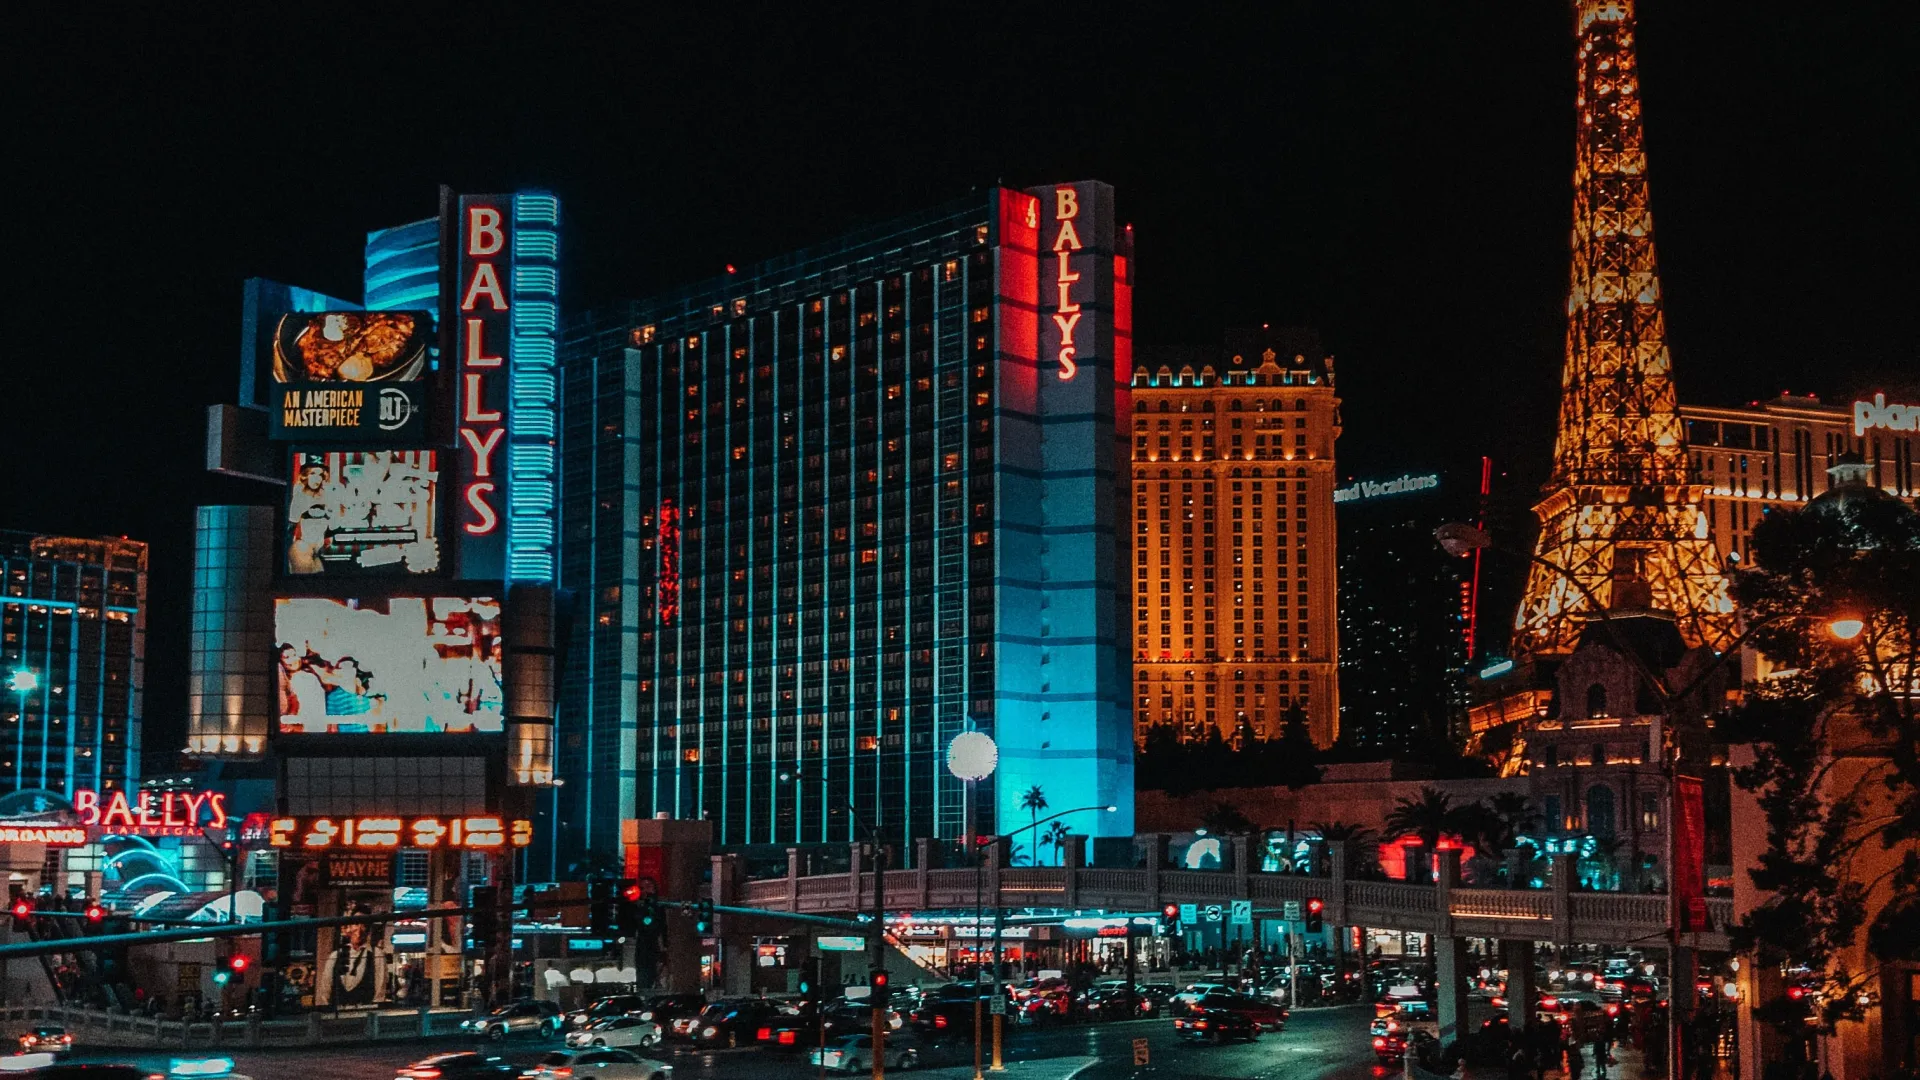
(1445, 908)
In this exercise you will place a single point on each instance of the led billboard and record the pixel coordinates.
(350, 375)
(394, 665)
(363, 512)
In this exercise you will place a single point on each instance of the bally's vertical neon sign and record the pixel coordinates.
(484, 327)
(506, 329)
(1066, 242)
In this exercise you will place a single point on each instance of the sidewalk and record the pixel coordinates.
(1629, 1064)
(1060, 1068)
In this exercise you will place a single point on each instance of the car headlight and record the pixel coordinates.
(708, 1032)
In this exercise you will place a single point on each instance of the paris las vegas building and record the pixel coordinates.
(1233, 537)
(824, 514)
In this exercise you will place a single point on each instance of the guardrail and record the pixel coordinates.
(1556, 914)
(97, 1027)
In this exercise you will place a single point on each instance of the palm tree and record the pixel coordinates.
(1356, 840)
(1517, 816)
(1428, 818)
(1056, 837)
(1033, 802)
(1225, 819)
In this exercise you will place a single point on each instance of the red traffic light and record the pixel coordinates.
(1171, 911)
(1316, 905)
(631, 893)
(878, 980)
(238, 962)
(23, 908)
(96, 913)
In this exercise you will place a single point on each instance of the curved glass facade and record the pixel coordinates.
(230, 693)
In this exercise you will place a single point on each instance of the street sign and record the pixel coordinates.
(1189, 914)
(1214, 912)
(1291, 909)
(998, 1005)
(1139, 1052)
(1243, 913)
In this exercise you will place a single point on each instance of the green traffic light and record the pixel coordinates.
(220, 978)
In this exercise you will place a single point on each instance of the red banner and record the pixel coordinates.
(1687, 875)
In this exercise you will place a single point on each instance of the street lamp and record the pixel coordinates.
(877, 942)
(1846, 627)
(971, 757)
(23, 681)
(999, 921)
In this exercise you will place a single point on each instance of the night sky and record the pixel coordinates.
(1395, 174)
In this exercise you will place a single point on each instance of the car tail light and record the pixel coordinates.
(1201, 1024)
(563, 1072)
(939, 1021)
(763, 1035)
(1549, 1003)
(426, 1073)
(788, 1038)
(1379, 1042)
(1613, 1010)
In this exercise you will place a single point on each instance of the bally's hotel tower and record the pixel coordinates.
(826, 513)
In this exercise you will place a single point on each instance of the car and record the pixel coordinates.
(948, 1010)
(811, 1028)
(628, 1031)
(41, 1066)
(1119, 1001)
(732, 1023)
(46, 1040)
(663, 1009)
(462, 1065)
(605, 1009)
(1261, 1014)
(1390, 1049)
(605, 1063)
(519, 1018)
(854, 1053)
(1187, 998)
(1215, 1025)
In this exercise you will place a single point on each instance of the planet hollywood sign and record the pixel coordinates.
(1877, 414)
(1369, 489)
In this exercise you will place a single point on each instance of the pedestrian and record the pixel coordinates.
(1576, 1062)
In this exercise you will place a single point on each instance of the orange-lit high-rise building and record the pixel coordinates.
(1233, 537)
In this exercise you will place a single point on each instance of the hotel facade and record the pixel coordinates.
(825, 514)
(1235, 603)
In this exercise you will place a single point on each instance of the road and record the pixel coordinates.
(1318, 1044)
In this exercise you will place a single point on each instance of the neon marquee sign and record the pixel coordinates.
(151, 813)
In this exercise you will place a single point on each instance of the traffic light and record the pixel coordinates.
(1170, 919)
(649, 912)
(1316, 908)
(809, 982)
(238, 963)
(22, 914)
(600, 913)
(703, 917)
(627, 914)
(483, 921)
(95, 913)
(877, 988)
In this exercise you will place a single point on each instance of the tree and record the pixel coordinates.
(1225, 819)
(1833, 597)
(1033, 802)
(1296, 763)
(1358, 841)
(1428, 817)
(1056, 838)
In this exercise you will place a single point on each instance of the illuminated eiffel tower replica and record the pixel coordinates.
(1622, 509)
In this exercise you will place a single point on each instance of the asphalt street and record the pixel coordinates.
(1318, 1044)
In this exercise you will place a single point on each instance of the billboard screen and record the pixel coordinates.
(350, 375)
(395, 665)
(363, 512)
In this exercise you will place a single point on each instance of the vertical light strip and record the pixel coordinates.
(532, 466)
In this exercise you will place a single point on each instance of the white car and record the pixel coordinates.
(854, 1053)
(602, 1064)
(625, 1031)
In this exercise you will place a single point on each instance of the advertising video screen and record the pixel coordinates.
(392, 666)
(363, 512)
(350, 375)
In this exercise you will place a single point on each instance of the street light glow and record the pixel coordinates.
(23, 681)
(1846, 628)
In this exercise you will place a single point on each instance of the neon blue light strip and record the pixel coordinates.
(532, 468)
